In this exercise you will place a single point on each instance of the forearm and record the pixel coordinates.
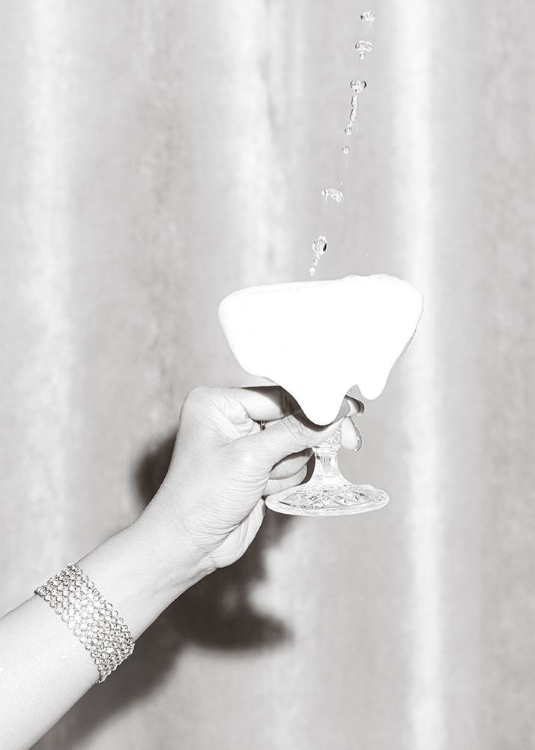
(44, 669)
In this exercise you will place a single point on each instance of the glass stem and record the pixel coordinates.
(326, 468)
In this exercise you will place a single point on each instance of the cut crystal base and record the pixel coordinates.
(328, 500)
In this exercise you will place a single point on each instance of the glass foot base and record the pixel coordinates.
(328, 500)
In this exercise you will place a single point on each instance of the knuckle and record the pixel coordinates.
(199, 393)
(240, 454)
(200, 399)
(303, 436)
(204, 394)
(196, 406)
(296, 429)
(195, 397)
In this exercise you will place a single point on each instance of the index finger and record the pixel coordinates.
(266, 403)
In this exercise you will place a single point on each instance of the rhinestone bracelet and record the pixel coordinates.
(92, 619)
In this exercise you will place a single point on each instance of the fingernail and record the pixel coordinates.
(355, 407)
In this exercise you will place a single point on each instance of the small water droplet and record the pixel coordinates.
(363, 48)
(346, 150)
(358, 85)
(319, 247)
(368, 16)
(333, 194)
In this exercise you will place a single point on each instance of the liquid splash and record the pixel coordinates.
(319, 248)
(333, 194)
(364, 48)
(368, 16)
(358, 85)
(351, 125)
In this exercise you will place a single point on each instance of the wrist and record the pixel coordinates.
(141, 571)
(171, 554)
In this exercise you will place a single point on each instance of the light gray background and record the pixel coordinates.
(156, 156)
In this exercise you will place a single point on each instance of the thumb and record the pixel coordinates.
(292, 435)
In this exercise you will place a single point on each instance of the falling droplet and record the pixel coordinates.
(363, 48)
(319, 247)
(352, 114)
(358, 85)
(333, 194)
(368, 16)
(346, 150)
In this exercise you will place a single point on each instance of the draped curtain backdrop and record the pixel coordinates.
(156, 156)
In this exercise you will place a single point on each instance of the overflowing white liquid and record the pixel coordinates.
(319, 339)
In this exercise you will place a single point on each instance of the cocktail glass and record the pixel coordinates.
(318, 339)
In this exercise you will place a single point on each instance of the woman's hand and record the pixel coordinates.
(204, 516)
(223, 465)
